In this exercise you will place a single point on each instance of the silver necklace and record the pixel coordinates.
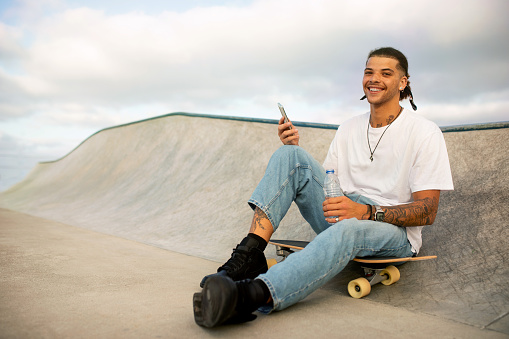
(367, 133)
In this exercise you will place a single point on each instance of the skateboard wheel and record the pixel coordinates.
(271, 262)
(392, 274)
(359, 288)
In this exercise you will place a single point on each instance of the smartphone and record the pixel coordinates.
(283, 113)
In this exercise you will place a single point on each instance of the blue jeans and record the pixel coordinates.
(293, 175)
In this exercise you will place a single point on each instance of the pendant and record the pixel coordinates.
(371, 157)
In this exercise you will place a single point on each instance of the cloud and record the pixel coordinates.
(241, 60)
(28, 11)
(493, 107)
(18, 157)
(10, 49)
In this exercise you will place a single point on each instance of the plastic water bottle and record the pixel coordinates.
(331, 185)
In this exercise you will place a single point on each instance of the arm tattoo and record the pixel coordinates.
(418, 213)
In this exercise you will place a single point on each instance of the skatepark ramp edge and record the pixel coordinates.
(456, 128)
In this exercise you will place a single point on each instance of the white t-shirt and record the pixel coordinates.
(410, 157)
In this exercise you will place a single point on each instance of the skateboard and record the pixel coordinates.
(376, 269)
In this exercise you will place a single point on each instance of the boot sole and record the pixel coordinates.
(216, 303)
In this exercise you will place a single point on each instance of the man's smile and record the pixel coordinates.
(374, 89)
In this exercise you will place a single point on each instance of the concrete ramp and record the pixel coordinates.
(178, 182)
(181, 182)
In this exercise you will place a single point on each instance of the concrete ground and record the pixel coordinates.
(60, 281)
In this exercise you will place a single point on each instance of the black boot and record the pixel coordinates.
(223, 301)
(247, 261)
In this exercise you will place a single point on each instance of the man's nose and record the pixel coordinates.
(375, 77)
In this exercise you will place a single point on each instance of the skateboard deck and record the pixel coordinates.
(376, 269)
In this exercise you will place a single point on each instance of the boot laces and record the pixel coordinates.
(237, 260)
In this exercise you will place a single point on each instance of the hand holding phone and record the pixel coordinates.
(286, 137)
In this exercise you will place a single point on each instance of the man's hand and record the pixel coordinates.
(344, 208)
(287, 133)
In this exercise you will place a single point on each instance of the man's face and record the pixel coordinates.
(382, 80)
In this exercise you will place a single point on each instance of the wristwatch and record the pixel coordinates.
(379, 213)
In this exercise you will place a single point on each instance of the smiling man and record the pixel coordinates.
(392, 165)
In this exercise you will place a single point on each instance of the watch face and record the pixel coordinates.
(379, 216)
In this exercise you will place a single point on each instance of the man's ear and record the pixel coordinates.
(402, 83)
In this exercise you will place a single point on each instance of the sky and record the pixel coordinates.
(69, 68)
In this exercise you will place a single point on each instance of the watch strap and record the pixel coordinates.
(379, 213)
(370, 211)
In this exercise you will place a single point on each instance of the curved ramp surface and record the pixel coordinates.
(181, 183)
(178, 182)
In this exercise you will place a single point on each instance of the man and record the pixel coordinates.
(392, 165)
